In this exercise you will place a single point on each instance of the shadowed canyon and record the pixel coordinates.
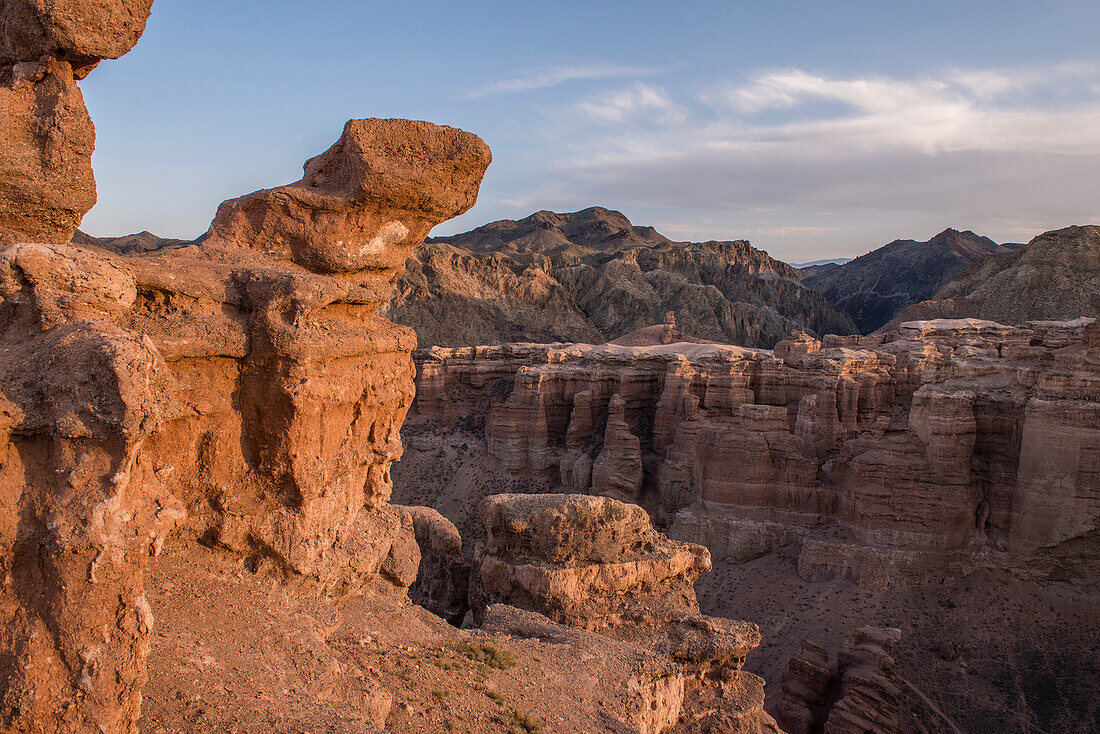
(307, 473)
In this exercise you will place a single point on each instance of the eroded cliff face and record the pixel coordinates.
(906, 457)
(860, 693)
(226, 389)
(940, 479)
(597, 564)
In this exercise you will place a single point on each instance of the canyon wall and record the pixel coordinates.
(195, 452)
(903, 457)
(243, 391)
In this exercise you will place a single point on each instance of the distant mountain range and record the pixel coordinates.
(592, 276)
(816, 263)
(873, 288)
(1056, 276)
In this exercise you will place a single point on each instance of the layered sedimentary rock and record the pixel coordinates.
(859, 693)
(443, 579)
(46, 181)
(233, 389)
(617, 471)
(592, 276)
(807, 689)
(596, 563)
(82, 33)
(902, 457)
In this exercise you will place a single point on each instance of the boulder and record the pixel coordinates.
(597, 564)
(81, 32)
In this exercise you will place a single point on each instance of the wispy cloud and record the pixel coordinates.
(638, 103)
(796, 155)
(976, 110)
(552, 77)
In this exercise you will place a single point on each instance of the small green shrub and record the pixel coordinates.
(524, 723)
(489, 654)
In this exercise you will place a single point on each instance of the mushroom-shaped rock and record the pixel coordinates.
(365, 203)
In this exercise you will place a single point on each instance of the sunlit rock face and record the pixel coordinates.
(598, 564)
(233, 390)
(901, 457)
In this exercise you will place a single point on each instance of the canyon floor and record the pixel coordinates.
(987, 648)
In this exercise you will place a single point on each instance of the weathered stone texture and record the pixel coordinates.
(899, 457)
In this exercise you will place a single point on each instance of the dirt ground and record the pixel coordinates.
(239, 652)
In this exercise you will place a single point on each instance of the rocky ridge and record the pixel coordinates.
(874, 287)
(592, 276)
(1054, 277)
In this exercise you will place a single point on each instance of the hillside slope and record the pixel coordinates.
(1055, 277)
(874, 287)
(592, 276)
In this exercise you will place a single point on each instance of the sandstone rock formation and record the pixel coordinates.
(598, 564)
(442, 583)
(222, 388)
(592, 276)
(857, 694)
(617, 471)
(873, 288)
(46, 181)
(902, 457)
(1055, 277)
(81, 33)
(365, 204)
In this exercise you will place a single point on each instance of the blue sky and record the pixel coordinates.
(812, 129)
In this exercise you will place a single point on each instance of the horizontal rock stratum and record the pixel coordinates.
(907, 456)
(596, 563)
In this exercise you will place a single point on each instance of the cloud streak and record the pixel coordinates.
(552, 77)
(1001, 144)
(808, 162)
(640, 103)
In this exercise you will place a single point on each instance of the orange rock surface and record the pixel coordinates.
(233, 395)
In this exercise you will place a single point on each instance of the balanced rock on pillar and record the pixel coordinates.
(365, 203)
